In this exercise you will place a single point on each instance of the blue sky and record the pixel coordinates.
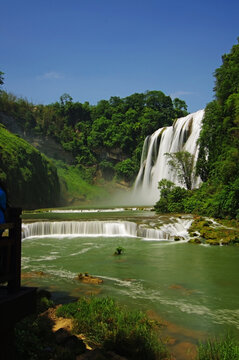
(95, 49)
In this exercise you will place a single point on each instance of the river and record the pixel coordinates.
(194, 288)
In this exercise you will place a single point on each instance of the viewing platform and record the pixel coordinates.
(16, 301)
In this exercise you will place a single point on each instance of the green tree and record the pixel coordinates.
(126, 169)
(172, 198)
(1, 78)
(165, 187)
(65, 98)
(182, 163)
(227, 76)
(180, 107)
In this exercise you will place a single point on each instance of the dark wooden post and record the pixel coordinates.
(15, 233)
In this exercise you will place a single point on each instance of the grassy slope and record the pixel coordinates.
(74, 188)
(30, 178)
(21, 160)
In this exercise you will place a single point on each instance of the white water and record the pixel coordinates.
(89, 210)
(181, 136)
(177, 227)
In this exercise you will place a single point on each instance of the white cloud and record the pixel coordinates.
(50, 75)
(180, 93)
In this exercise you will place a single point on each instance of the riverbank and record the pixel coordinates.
(90, 328)
(175, 281)
(101, 329)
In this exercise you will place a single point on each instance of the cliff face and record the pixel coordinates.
(30, 178)
(45, 144)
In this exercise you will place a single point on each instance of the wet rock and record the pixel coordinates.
(60, 335)
(212, 242)
(88, 279)
(195, 241)
(68, 341)
(178, 238)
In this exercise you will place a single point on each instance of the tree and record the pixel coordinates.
(227, 76)
(65, 98)
(1, 78)
(182, 163)
(165, 186)
(180, 107)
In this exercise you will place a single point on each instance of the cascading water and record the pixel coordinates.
(181, 136)
(175, 227)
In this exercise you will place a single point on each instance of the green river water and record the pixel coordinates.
(194, 288)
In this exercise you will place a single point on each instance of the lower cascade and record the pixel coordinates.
(181, 136)
(177, 227)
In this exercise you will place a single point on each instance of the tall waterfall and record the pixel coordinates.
(181, 136)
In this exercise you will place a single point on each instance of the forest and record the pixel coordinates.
(107, 137)
(105, 140)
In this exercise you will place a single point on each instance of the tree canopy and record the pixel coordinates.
(110, 133)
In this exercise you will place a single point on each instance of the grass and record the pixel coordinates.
(226, 348)
(76, 187)
(112, 327)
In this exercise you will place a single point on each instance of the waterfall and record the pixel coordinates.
(80, 228)
(175, 227)
(181, 136)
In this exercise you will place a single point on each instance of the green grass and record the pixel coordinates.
(29, 177)
(226, 348)
(76, 188)
(112, 327)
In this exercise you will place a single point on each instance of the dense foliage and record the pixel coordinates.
(113, 327)
(218, 161)
(182, 163)
(105, 139)
(172, 198)
(31, 180)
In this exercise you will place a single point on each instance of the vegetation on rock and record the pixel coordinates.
(89, 279)
(119, 250)
(205, 231)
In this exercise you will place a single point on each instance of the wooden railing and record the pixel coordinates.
(10, 251)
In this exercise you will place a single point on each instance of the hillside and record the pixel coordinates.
(30, 178)
(45, 144)
(103, 140)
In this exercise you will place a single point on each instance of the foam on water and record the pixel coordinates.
(176, 227)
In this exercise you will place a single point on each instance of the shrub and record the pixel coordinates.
(105, 323)
(219, 349)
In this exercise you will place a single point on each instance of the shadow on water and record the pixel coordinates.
(58, 295)
(181, 341)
